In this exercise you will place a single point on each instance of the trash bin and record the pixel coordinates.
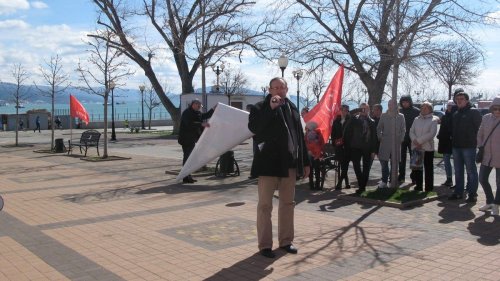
(59, 145)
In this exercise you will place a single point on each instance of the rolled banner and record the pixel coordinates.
(228, 128)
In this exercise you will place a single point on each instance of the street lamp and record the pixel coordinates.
(218, 70)
(141, 88)
(283, 63)
(298, 74)
(112, 86)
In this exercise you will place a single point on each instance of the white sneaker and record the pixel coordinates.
(486, 207)
(494, 210)
(382, 185)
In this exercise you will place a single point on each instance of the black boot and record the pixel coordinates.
(448, 182)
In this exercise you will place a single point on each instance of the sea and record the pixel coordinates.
(126, 110)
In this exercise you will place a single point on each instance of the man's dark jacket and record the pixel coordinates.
(355, 138)
(409, 113)
(466, 122)
(190, 129)
(271, 134)
(444, 134)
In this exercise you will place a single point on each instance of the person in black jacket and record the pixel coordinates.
(410, 113)
(444, 144)
(361, 135)
(282, 156)
(190, 130)
(341, 147)
(465, 125)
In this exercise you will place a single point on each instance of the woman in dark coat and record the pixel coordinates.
(341, 149)
(444, 144)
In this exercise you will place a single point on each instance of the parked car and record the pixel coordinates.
(438, 113)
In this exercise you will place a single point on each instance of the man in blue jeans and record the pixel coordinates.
(466, 122)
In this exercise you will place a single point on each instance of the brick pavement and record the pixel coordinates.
(68, 219)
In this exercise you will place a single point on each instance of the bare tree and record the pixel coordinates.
(233, 82)
(20, 91)
(366, 36)
(456, 64)
(57, 80)
(151, 100)
(193, 31)
(104, 69)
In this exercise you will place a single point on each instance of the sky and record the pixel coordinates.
(33, 31)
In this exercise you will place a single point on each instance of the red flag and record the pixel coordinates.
(76, 109)
(319, 120)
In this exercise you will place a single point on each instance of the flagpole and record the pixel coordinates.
(70, 122)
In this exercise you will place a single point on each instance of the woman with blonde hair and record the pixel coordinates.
(422, 134)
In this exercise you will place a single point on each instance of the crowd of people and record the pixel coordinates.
(461, 132)
(360, 135)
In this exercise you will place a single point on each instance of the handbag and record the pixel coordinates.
(480, 149)
(480, 154)
(417, 159)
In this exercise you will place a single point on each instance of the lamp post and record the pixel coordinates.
(218, 70)
(298, 74)
(141, 88)
(283, 63)
(112, 86)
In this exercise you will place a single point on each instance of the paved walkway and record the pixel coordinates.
(68, 219)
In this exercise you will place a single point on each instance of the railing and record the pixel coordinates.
(97, 117)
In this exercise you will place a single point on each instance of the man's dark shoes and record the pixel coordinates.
(471, 199)
(191, 178)
(338, 186)
(347, 186)
(455, 196)
(268, 253)
(290, 249)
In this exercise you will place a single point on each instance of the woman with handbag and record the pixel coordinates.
(487, 137)
(341, 150)
(422, 134)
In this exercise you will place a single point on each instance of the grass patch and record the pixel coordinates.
(396, 195)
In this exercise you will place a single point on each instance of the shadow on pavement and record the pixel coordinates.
(454, 210)
(488, 232)
(254, 267)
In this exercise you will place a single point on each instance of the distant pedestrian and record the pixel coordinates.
(385, 131)
(444, 144)
(422, 134)
(488, 136)
(465, 125)
(58, 122)
(37, 122)
(21, 124)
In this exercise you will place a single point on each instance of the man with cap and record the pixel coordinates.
(192, 124)
(465, 125)
(444, 145)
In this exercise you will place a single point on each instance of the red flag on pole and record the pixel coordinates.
(77, 110)
(319, 120)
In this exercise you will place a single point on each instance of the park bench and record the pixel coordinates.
(88, 139)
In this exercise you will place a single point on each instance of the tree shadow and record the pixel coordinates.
(488, 232)
(252, 268)
(380, 249)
